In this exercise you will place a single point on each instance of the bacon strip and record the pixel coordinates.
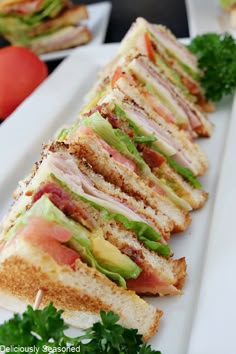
(152, 157)
(63, 201)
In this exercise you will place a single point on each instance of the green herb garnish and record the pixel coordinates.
(216, 58)
(45, 329)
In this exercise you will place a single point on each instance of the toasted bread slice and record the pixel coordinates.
(117, 173)
(81, 293)
(68, 17)
(66, 37)
(59, 178)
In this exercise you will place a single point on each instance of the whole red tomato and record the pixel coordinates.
(21, 71)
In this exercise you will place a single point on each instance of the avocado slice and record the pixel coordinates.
(81, 241)
(111, 258)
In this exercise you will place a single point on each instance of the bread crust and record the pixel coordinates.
(196, 197)
(67, 17)
(49, 43)
(6, 3)
(160, 269)
(171, 217)
(24, 270)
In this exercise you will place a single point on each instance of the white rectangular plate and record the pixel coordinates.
(192, 323)
(207, 16)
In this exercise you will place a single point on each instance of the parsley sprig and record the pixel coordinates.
(216, 55)
(46, 327)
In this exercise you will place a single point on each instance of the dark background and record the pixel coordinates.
(171, 13)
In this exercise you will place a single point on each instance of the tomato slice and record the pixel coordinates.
(149, 48)
(152, 157)
(117, 74)
(191, 86)
(116, 155)
(48, 236)
(159, 107)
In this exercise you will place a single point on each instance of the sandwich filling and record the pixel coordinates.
(147, 72)
(172, 57)
(59, 217)
(44, 25)
(133, 120)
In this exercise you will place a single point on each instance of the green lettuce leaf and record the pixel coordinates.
(88, 257)
(119, 112)
(183, 171)
(19, 26)
(186, 173)
(47, 210)
(227, 3)
(122, 143)
(65, 132)
(141, 229)
(144, 139)
(80, 236)
(115, 138)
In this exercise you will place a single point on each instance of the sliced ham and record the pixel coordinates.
(64, 165)
(154, 102)
(189, 111)
(151, 128)
(159, 108)
(146, 70)
(119, 157)
(169, 42)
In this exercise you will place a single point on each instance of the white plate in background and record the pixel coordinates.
(207, 16)
(189, 324)
(97, 23)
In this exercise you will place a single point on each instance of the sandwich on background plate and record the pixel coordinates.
(43, 25)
